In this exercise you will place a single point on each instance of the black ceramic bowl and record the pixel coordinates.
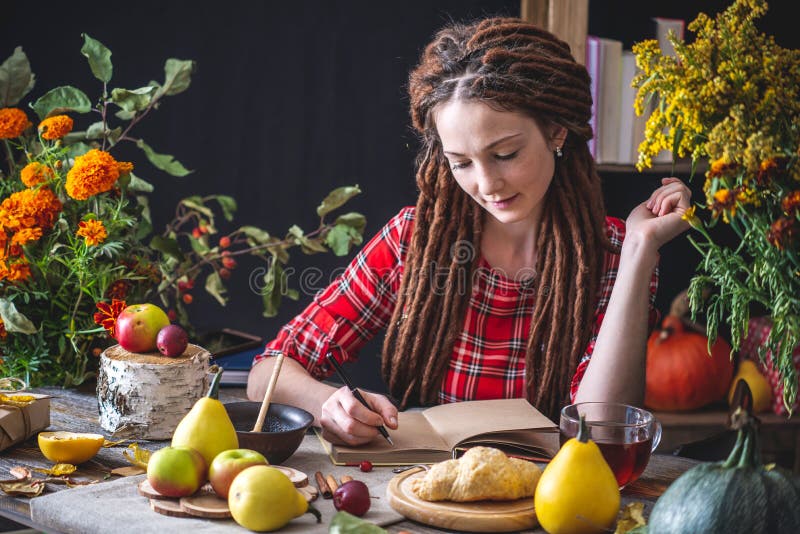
(282, 433)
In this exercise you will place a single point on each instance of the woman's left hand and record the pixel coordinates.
(658, 220)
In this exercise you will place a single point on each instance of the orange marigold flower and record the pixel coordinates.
(18, 271)
(3, 332)
(770, 169)
(92, 231)
(107, 316)
(30, 208)
(781, 233)
(34, 173)
(790, 202)
(118, 289)
(25, 235)
(724, 202)
(13, 122)
(55, 127)
(721, 167)
(93, 173)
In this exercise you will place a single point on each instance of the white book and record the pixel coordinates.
(593, 67)
(631, 125)
(609, 96)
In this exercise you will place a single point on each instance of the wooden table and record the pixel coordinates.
(76, 410)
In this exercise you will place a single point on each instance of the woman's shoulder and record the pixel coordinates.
(402, 224)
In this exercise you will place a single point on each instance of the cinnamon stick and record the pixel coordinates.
(324, 489)
(346, 478)
(332, 484)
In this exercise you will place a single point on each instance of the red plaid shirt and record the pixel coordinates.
(488, 360)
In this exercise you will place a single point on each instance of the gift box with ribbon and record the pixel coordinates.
(22, 415)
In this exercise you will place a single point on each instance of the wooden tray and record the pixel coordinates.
(480, 516)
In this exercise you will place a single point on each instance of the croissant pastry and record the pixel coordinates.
(483, 473)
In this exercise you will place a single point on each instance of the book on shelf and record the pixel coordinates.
(604, 64)
(631, 125)
(433, 434)
(663, 27)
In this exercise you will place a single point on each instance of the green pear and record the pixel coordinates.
(207, 427)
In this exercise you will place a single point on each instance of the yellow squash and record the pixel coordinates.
(577, 492)
(207, 427)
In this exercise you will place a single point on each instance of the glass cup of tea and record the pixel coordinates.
(626, 435)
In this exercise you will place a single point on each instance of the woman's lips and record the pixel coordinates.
(505, 203)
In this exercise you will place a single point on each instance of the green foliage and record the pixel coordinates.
(60, 258)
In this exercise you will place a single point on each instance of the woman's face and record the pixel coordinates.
(502, 159)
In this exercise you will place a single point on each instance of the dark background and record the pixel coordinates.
(293, 99)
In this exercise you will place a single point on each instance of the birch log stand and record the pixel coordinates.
(144, 396)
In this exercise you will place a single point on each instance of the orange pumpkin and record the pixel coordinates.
(681, 375)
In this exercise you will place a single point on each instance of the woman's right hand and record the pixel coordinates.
(345, 420)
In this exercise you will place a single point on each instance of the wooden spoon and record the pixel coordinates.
(262, 413)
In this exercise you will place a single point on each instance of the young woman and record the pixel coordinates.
(507, 279)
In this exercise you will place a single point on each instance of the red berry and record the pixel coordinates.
(171, 314)
(203, 229)
(229, 263)
(187, 298)
(224, 273)
(365, 466)
(224, 242)
(197, 233)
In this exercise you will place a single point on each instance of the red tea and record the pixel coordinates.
(626, 460)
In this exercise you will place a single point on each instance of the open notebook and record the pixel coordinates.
(431, 435)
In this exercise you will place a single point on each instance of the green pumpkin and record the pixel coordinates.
(737, 495)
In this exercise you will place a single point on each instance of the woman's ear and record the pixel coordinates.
(558, 136)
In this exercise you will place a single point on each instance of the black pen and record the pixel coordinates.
(356, 393)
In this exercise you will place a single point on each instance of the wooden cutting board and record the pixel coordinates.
(481, 516)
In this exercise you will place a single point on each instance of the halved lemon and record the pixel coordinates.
(69, 447)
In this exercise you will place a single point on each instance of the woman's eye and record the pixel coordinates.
(504, 157)
(458, 165)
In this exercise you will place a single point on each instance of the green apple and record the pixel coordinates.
(227, 464)
(138, 325)
(176, 471)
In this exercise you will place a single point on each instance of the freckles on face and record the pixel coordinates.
(501, 159)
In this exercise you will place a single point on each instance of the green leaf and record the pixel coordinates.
(196, 203)
(215, 288)
(165, 162)
(137, 184)
(344, 523)
(228, 205)
(60, 100)
(309, 246)
(96, 131)
(78, 149)
(271, 293)
(257, 235)
(167, 246)
(354, 220)
(340, 237)
(178, 76)
(337, 198)
(16, 78)
(133, 100)
(99, 58)
(14, 320)
(125, 115)
(199, 245)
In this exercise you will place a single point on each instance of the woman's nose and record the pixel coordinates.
(489, 182)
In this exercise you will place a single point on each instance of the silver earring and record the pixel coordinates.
(558, 152)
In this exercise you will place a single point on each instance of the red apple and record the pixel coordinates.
(138, 325)
(172, 340)
(176, 471)
(227, 464)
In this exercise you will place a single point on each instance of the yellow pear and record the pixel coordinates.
(207, 427)
(758, 383)
(577, 492)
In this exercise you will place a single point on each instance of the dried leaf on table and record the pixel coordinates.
(20, 401)
(345, 523)
(57, 470)
(631, 517)
(71, 482)
(128, 471)
(20, 472)
(139, 458)
(108, 444)
(23, 488)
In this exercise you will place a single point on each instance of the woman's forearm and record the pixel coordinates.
(295, 386)
(616, 371)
